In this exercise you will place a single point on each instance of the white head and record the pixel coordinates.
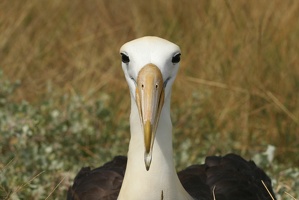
(150, 65)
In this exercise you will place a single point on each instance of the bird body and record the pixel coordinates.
(162, 178)
(150, 65)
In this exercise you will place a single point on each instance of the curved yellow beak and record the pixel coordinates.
(150, 100)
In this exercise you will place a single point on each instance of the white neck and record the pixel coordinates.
(161, 179)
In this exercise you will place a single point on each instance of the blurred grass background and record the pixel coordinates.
(64, 102)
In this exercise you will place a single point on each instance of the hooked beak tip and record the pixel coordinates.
(147, 160)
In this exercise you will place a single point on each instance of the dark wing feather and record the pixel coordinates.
(102, 183)
(194, 180)
(231, 175)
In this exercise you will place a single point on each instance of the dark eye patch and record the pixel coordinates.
(124, 58)
(176, 58)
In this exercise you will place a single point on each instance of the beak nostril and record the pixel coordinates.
(142, 86)
(157, 86)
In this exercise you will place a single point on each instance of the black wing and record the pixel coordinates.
(230, 176)
(102, 183)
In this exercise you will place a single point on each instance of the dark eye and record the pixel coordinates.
(176, 58)
(124, 58)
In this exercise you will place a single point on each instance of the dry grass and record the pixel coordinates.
(239, 70)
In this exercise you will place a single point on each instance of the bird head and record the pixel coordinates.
(150, 65)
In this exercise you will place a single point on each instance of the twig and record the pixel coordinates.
(231, 13)
(282, 107)
(23, 185)
(5, 166)
(268, 190)
(225, 86)
(214, 197)
(290, 195)
(55, 187)
(2, 189)
(217, 84)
